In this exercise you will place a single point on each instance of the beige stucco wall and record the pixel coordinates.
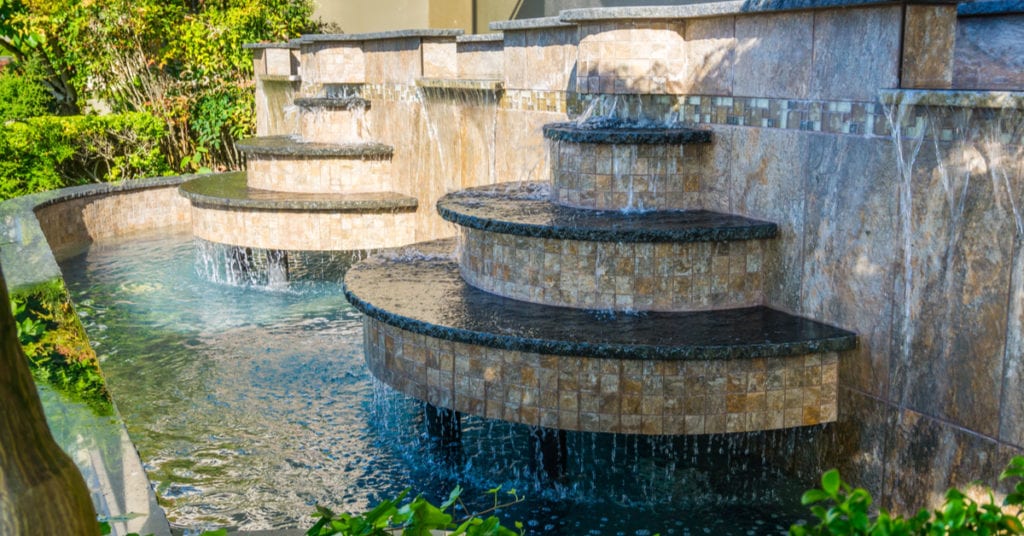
(360, 16)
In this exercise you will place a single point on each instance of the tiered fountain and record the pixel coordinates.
(598, 303)
(326, 188)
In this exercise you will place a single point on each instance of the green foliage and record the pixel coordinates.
(44, 153)
(844, 510)
(417, 517)
(23, 93)
(56, 346)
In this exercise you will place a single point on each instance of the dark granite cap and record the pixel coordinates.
(461, 84)
(711, 9)
(230, 191)
(627, 133)
(481, 38)
(372, 36)
(345, 103)
(422, 292)
(259, 46)
(294, 146)
(953, 98)
(523, 209)
(990, 7)
(538, 23)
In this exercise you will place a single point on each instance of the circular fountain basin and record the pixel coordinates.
(292, 164)
(227, 211)
(517, 244)
(434, 337)
(610, 165)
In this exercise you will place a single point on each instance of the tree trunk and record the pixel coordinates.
(41, 490)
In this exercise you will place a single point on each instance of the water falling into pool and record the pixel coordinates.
(248, 406)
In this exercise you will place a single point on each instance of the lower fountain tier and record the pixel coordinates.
(518, 245)
(226, 211)
(434, 337)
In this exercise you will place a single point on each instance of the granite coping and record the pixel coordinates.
(523, 209)
(626, 134)
(954, 98)
(347, 103)
(712, 9)
(230, 191)
(419, 289)
(538, 23)
(374, 36)
(462, 84)
(294, 146)
(494, 37)
(991, 7)
(260, 46)
(279, 78)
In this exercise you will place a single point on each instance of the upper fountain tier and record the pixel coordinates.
(610, 164)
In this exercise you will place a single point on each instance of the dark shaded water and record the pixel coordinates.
(249, 406)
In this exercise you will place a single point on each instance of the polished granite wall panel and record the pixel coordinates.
(542, 59)
(439, 59)
(763, 184)
(1011, 417)
(773, 58)
(326, 62)
(710, 50)
(393, 61)
(630, 56)
(961, 244)
(851, 241)
(989, 53)
(929, 35)
(856, 52)
(480, 60)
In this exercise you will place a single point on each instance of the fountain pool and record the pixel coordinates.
(249, 406)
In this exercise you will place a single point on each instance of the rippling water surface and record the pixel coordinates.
(249, 406)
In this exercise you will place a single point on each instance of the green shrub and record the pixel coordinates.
(56, 346)
(49, 152)
(843, 510)
(23, 94)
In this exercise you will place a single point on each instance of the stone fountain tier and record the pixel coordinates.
(436, 338)
(225, 210)
(332, 119)
(291, 164)
(517, 244)
(611, 165)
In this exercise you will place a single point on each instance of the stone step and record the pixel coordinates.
(517, 244)
(289, 164)
(227, 211)
(434, 337)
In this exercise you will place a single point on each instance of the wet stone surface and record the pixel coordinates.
(421, 291)
(230, 190)
(294, 146)
(624, 133)
(346, 103)
(524, 209)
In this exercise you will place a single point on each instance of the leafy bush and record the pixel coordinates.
(844, 510)
(56, 346)
(49, 152)
(23, 93)
(418, 517)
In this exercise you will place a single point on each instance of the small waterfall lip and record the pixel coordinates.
(954, 98)
(613, 130)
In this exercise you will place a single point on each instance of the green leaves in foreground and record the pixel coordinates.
(844, 510)
(417, 517)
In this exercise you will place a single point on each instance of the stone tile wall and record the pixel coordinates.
(393, 61)
(439, 59)
(540, 59)
(275, 113)
(333, 125)
(326, 62)
(989, 53)
(480, 60)
(632, 177)
(608, 275)
(83, 220)
(312, 231)
(306, 174)
(608, 395)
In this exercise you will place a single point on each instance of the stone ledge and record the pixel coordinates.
(230, 191)
(279, 78)
(495, 37)
(373, 36)
(292, 45)
(294, 146)
(524, 209)
(994, 7)
(625, 134)
(421, 291)
(538, 23)
(461, 84)
(346, 103)
(1000, 100)
(711, 9)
